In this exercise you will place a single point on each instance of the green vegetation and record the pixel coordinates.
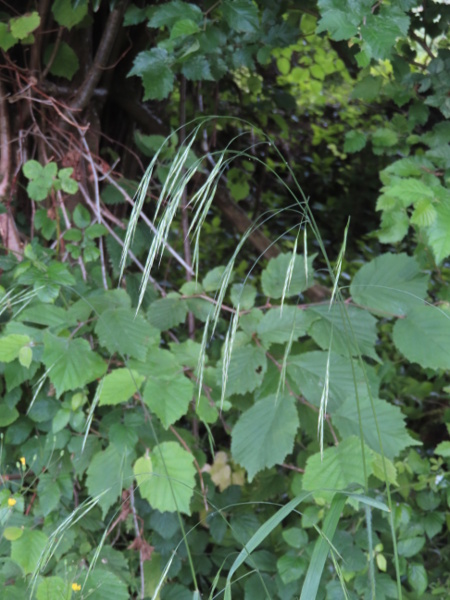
(225, 318)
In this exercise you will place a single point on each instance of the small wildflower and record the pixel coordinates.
(11, 502)
(22, 460)
(76, 587)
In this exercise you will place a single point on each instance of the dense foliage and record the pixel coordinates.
(214, 385)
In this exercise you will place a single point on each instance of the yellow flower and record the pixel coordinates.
(76, 587)
(11, 502)
(23, 462)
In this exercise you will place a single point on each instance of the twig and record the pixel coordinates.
(98, 211)
(120, 242)
(147, 221)
(138, 536)
(423, 44)
(51, 60)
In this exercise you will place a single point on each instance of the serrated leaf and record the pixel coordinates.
(167, 312)
(354, 141)
(391, 284)
(103, 584)
(11, 345)
(380, 31)
(423, 337)
(307, 371)
(246, 369)
(169, 13)
(390, 420)
(119, 330)
(67, 15)
(119, 386)
(169, 397)
(22, 26)
(243, 295)
(264, 434)
(65, 63)
(384, 137)
(197, 68)
(72, 363)
(417, 578)
(342, 25)
(27, 550)
(424, 214)
(278, 326)
(183, 27)
(274, 276)
(154, 68)
(346, 329)
(53, 588)
(438, 231)
(241, 15)
(341, 466)
(107, 474)
(409, 191)
(443, 449)
(394, 226)
(172, 478)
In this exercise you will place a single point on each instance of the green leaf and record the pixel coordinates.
(438, 231)
(154, 68)
(417, 578)
(27, 550)
(347, 329)
(384, 137)
(169, 397)
(390, 420)
(409, 191)
(243, 295)
(183, 27)
(391, 284)
(167, 312)
(104, 585)
(213, 279)
(67, 15)
(107, 474)
(307, 371)
(291, 568)
(7, 415)
(81, 216)
(197, 68)
(65, 63)
(410, 546)
(341, 24)
(274, 276)
(354, 141)
(22, 26)
(11, 345)
(25, 356)
(172, 476)
(264, 434)
(7, 40)
(423, 337)
(246, 369)
(119, 386)
(368, 89)
(12, 533)
(241, 15)
(424, 214)
(72, 363)
(443, 449)
(49, 494)
(341, 466)
(169, 13)
(279, 325)
(53, 588)
(119, 330)
(295, 537)
(380, 31)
